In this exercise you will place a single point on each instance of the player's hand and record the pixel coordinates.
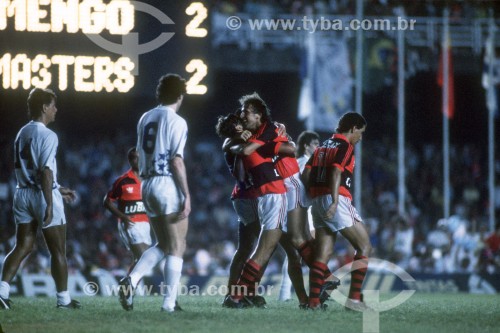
(245, 135)
(128, 222)
(186, 210)
(281, 129)
(68, 195)
(47, 217)
(330, 213)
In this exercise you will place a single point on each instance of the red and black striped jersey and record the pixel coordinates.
(242, 189)
(259, 165)
(335, 152)
(285, 165)
(126, 190)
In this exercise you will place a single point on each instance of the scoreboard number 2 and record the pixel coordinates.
(197, 67)
(199, 70)
(193, 27)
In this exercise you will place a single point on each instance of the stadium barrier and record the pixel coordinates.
(103, 283)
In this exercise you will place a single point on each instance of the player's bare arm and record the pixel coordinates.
(238, 139)
(68, 195)
(47, 182)
(180, 176)
(336, 177)
(109, 205)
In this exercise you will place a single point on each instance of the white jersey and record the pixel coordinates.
(302, 160)
(161, 135)
(34, 149)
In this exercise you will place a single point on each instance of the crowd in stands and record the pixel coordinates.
(431, 8)
(421, 241)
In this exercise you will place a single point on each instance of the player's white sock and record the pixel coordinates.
(172, 277)
(4, 290)
(146, 263)
(286, 283)
(63, 298)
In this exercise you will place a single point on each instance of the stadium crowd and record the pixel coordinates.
(257, 8)
(420, 242)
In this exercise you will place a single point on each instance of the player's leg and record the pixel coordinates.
(360, 240)
(137, 250)
(296, 228)
(25, 238)
(247, 234)
(286, 282)
(55, 238)
(175, 232)
(325, 240)
(294, 269)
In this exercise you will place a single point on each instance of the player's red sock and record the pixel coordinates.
(306, 251)
(316, 280)
(359, 268)
(250, 276)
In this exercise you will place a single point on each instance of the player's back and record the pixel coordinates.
(161, 136)
(34, 148)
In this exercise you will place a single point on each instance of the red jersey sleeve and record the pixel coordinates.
(342, 156)
(116, 190)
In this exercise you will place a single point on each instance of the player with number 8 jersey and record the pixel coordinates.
(161, 137)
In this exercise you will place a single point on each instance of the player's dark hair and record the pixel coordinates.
(37, 99)
(170, 88)
(350, 120)
(130, 153)
(226, 125)
(305, 138)
(259, 105)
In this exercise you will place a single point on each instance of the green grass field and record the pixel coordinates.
(421, 313)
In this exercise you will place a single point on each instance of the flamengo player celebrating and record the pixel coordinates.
(133, 224)
(161, 137)
(328, 174)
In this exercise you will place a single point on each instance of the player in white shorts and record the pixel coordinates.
(328, 174)
(306, 144)
(161, 137)
(124, 200)
(38, 200)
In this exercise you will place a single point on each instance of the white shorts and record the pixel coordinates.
(29, 205)
(137, 233)
(296, 194)
(272, 211)
(161, 196)
(345, 215)
(247, 210)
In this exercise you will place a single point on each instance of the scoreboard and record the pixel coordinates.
(99, 46)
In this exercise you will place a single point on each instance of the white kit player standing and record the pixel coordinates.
(161, 137)
(38, 199)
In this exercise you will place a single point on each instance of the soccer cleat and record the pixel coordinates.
(357, 305)
(232, 304)
(257, 301)
(303, 306)
(327, 289)
(5, 303)
(126, 293)
(317, 307)
(74, 304)
(177, 307)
